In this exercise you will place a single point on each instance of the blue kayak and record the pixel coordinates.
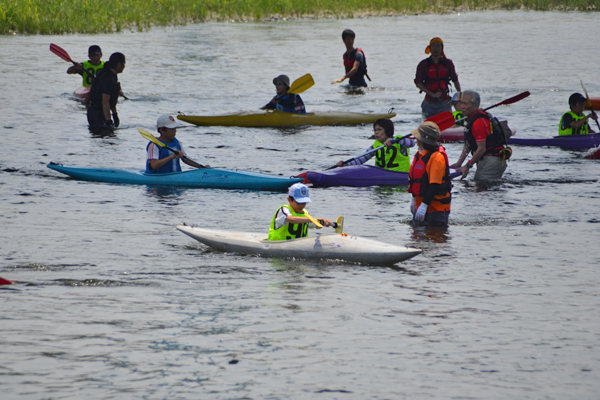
(199, 178)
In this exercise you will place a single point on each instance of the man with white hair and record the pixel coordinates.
(486, 145)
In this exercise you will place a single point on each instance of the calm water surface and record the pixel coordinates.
(114, 303)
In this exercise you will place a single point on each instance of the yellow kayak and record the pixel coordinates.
(281, 118)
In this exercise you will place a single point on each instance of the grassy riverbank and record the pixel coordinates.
(91, 16)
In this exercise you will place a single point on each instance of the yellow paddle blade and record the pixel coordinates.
(151, 137)
(302, 84)
(340, 224)
(589, 103)
(314, 221)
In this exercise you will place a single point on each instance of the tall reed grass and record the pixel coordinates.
(93, 16)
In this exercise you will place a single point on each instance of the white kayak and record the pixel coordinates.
(329, 246)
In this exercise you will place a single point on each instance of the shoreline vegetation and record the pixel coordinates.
(106, 16)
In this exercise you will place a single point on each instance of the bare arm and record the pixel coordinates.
(349, 74)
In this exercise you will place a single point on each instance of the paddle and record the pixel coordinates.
(59, 51)
(302, 84)
(512, 100)
(155, 140)
(338, 224)
(589, 102)
(62, 53)
(443, 120)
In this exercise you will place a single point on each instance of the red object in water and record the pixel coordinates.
(593, 154)
(5, 281)
(595, 103)
(83, 94)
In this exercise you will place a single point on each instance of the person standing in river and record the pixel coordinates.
(429, 178)
(433, 77)
(355, 62)
(486, 145)
(104, 95)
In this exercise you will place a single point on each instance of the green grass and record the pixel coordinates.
(92, 16)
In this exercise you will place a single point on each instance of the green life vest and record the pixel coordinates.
(90, 71)
(582, 130)
(288, 231)
(457, 115)
(391, 158)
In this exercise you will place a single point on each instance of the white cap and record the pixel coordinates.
(166, 121)
(299, 192)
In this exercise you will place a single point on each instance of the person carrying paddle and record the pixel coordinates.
(355, 62)
(433, 77)
(574, 122)
(487, 145)
(284, 101)
(394, 156)
(88, 69)
(104, 94)
(429, 178)
(161, 160)
(291, 221)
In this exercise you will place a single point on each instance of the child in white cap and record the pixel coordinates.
(290, 222)
(161, 160)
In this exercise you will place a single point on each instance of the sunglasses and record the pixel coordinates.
(280, 84)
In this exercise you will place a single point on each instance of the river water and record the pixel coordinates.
(112, 302)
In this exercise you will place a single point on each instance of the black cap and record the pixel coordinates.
(577, 98)
(94, 49)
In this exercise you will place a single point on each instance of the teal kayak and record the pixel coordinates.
(198, 178)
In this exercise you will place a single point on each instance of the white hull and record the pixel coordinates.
(331, 246)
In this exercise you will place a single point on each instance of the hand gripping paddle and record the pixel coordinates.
(155, 140)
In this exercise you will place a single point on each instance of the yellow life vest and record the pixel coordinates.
(582, 130)
(288, 231)
(90, 71)
(391, 158)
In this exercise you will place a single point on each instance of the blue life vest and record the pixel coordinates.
(171, 166)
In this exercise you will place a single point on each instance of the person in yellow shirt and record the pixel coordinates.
(574, 122)
(89, 69)
(289, 221)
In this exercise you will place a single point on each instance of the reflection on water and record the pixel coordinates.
(433, 234)
(166, 194)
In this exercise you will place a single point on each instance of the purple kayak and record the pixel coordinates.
(359, 176)
(567, 142)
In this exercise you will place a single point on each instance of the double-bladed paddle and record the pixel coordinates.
(512, 100)
(443, 120)
(155, 140)
(589, 102)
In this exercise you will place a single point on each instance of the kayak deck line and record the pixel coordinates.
(275, 118)
(213, 178)
(335, 246)
(579, 142)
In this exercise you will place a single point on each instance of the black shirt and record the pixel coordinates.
(106, 82)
